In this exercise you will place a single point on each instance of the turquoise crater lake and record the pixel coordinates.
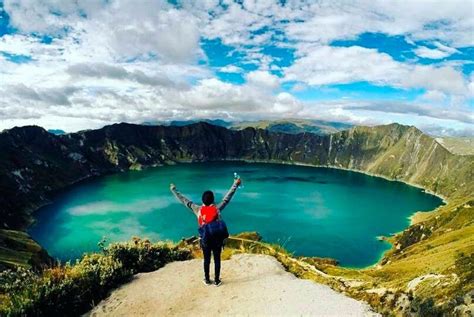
(311, 211)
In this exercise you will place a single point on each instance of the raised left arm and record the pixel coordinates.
(184, 200)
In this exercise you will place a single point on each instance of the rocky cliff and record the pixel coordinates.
(35, 164)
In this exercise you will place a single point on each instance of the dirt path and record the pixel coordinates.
(253, 285)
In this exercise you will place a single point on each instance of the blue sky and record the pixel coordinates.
(84, 64)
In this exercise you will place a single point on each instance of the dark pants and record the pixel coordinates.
(215, 249)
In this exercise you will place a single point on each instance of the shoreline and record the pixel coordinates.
(426, 190)
(276, 162)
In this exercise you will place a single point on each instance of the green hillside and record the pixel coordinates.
(428, 269)
(18, 249)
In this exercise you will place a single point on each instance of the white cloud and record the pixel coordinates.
(140, 29)
(324, 21)
(215, 95)
(471, 85)
(234, 25)
(125, 29)
(136, 61)
(263, 79)
(138, 102)
(440, 52)
(102, 70)
(287, 104)
(434, 96)
(325, 65)
(426, 52)
(231, 69)
(435, 120)
(445, 79)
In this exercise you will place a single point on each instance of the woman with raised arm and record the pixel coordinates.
(206, 213)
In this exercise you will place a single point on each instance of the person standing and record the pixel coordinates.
(207, 213)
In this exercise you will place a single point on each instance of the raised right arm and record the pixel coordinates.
(229, 195)
(184, 200)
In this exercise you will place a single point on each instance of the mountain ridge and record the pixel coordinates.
(439, 241)
(289, 125)
(394, 151)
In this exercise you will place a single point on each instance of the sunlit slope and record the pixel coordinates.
(403, 153)
(458, 145)
(18, 249)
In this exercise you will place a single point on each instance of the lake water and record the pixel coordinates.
(311, 211)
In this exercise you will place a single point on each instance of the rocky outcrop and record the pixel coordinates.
(18, 249)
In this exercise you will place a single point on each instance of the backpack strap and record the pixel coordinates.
(200, 216)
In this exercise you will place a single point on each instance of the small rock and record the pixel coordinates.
(469, 298)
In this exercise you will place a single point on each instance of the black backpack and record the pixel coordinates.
(215, 231)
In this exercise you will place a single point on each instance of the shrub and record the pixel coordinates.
(425, 307)
(73, 289)
(144, 256)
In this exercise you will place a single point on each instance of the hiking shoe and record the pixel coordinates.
(218, 283)
(207, 281)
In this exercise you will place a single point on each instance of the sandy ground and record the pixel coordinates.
(253, 285)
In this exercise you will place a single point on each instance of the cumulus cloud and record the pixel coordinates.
(52, 96)
(324, 65)
(287, 104)
(227, 98)
(263, 79)
(324, 21)
(108, 61)
(102, 70)
(126, 28)
(434, 96)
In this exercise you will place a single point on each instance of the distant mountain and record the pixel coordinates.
(292, 126)
(295, 126)
(458, 145)
(56, 131)
(182, 123)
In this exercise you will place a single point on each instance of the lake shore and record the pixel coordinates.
(219, 171)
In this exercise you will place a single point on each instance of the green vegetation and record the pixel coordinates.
(18, 249)
(458, 145)
(73, 289)
(428, 270)
(391, 288)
